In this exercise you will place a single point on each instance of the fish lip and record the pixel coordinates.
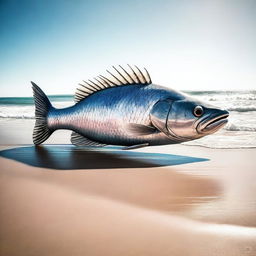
(212, 123)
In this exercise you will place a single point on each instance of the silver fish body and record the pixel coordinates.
(130, 114)
(105, 117)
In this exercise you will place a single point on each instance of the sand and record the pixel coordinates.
(169, 200)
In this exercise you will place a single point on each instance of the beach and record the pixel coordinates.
(127, 78)
(57, 199)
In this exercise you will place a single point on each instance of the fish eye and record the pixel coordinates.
(198, 111)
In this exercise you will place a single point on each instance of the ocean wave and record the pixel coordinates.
(17, 112)
(19, 116)
(211, 145)
(24, 111)
(223, 93)
(222, 146)
(233, 98)
(21, 101)
(243, 109)
(236, 128)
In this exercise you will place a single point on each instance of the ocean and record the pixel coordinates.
(240, 132)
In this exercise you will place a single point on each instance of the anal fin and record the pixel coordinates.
(79, 140)
(136, 146)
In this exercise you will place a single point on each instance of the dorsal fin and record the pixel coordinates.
(118, 77)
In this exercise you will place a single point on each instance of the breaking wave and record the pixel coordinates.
(242, 109)
(24, 116)
(236, 128)
(17, 112)
(23, 108)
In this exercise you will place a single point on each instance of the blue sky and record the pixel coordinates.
(191, 45)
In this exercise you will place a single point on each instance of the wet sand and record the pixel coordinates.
(170, 200)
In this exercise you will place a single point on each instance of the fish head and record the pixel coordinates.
(190, 119)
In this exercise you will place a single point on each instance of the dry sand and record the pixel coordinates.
(170, 200)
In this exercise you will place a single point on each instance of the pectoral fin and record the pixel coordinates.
(140, 130)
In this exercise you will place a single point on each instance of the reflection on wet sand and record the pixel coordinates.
(68, 157)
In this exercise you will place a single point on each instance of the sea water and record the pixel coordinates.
(240, 132)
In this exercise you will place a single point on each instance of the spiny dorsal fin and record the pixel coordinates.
(79, 140)
(118, 77)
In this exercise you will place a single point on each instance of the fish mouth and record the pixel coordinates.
(213, 123)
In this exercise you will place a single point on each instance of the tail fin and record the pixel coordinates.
(42, 104)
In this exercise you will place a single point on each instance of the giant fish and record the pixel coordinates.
(125, 108)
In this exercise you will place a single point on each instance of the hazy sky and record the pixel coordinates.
(191, 45)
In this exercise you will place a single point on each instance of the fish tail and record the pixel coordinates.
(42, 107)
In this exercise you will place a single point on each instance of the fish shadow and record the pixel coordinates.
(68, 157)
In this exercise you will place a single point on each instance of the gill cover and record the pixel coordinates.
(181, 121)
(174, 118)
(159, 115)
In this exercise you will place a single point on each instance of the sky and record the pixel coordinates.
(184, 44)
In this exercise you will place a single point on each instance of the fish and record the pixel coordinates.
(125, 108)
